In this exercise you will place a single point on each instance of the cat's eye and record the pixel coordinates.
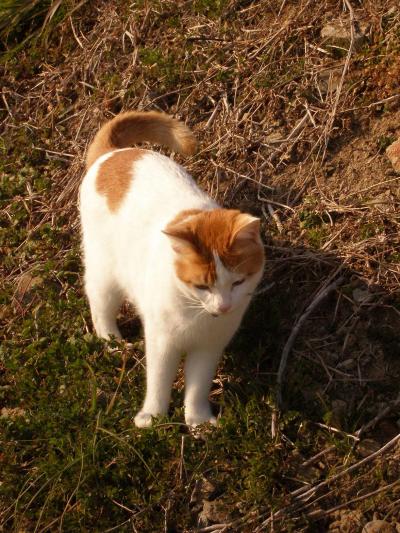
(238, 282)
(202, 287)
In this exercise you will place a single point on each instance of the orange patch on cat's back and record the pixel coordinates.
(115, 175)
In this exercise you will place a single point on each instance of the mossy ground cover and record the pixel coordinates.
(243, 75)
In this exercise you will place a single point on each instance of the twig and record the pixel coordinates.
(214, 527)
(112, 401)
(273, 215)
(273, 202)
(321, 295)
(296, 129)
(323, 514)
(75, 35)
(337, 431)
(329, 124)
(304, 493)
(212, 117)
(367, 459)
(274, 419)
(317, 456)
(378, 102)
(72, 493)
(372, 423)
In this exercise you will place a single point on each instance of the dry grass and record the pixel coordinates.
(293, 129)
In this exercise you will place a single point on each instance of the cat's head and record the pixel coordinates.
(219, 257)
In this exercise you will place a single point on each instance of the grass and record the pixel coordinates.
(240, 75)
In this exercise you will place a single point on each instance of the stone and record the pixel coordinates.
(347, 364)
(379, 526)
(338, 33)
(213, 513)
(361, 296)
(203, 489)
(346, 521)
(12, 412)
(329, 81)
(393, 153)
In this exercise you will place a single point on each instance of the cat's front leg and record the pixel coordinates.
(162, 361)
(200, 367)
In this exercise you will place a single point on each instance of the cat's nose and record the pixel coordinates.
(223, 308)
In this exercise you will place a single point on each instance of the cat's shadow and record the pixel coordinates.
(347, 349)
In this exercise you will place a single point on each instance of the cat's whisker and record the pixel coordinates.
(191, 298)
(199, 313)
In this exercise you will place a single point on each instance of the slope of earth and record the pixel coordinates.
(293, 122)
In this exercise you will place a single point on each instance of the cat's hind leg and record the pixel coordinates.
(105, 299)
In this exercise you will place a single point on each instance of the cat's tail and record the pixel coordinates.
(133, 127)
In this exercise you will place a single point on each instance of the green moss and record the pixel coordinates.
(310, 219)
(316, 236)
(370, 229)
(384, 141)
(210, 8)
(394, 257)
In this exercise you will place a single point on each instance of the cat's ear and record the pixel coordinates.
(181, 238)
(246, 228)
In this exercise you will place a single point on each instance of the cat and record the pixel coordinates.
(152, 236)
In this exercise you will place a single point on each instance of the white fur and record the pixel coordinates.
(127, 255)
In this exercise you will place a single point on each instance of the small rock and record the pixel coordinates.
(12, 412)
(338, 33)
(361, 296)
(329, 81)
(202, 490)
(347, 364)
(393, 153)
(346, 521)
(213, 513)
(379, 526)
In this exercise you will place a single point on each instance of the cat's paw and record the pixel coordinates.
(143, 420)
(194, 419)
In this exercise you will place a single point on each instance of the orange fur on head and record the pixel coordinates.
(199, 235)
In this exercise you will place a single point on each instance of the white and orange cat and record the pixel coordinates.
(152, 236)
